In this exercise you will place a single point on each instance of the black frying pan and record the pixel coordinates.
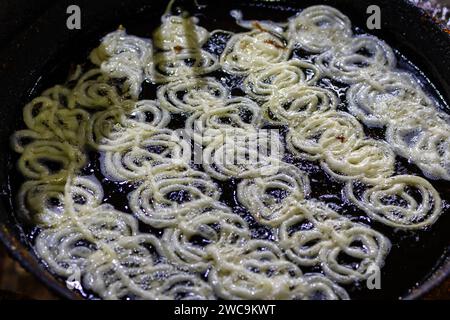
(34, 59)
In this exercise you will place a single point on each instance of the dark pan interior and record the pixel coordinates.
(41, 55)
